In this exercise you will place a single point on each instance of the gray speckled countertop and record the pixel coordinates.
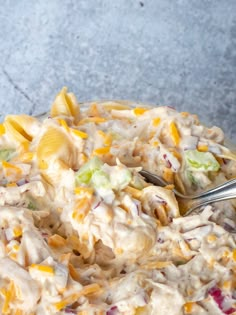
(177, 52)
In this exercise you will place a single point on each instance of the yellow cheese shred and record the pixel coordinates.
(89, 289)
(107, 139)
(84, 191)
(79, 133)
(188, 307)
(56, 241)
(156, 121)
(17, 231)
(43, 268)
(140, 111)
(202, 148)
(174, 133)
(101, 151)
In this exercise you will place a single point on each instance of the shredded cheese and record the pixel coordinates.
(138, 111)
(156, 121)
(174, 133)
(101, 151)
(43, 268)
(79, 133)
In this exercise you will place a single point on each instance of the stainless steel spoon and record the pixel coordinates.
(190, 203)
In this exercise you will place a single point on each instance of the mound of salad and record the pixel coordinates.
(82, 232)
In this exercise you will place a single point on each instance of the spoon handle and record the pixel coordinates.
(228, 185)
(223, 192)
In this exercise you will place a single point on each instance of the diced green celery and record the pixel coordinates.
(100, 179)
(191, 177)
(201, 161)
(85, 173)
(120, 178)
(6, 154)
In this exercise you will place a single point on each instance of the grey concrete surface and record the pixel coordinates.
(174, 52)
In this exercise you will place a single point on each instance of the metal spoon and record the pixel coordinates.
(190, 203)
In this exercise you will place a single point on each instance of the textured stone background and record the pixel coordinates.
(175, 52)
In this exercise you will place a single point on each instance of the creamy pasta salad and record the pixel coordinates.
(82, 232)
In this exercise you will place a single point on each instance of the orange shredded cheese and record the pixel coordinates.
(24, 146)
(138, 111)
(219, 160)
(156, 121)
(82, 207)
(89, 289)
(43, 268)
(78, 216)
(82, 158)
(175, 153)
(74, 274)
(13, 256)
(16, 247)
(17, 231)
(79, 133)
(93, 110)
(84, 191)
(155, 143)
(211, 238)
(202, 148)
(9, 296)
(226, 254)
(7, 165)
(101, 151)
(11, 184)
(26, 156)
(63, 123)
(169, 187)
(119, 251)
(168, 175)
(188, 307)
(107, 139)
(56, 241)
(11, 170)
(227, 284)
(43, 165)
(134, 192)
(174, 133)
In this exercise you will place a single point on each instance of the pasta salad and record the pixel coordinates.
(83, 233)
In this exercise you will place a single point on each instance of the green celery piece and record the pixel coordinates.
(85, 173)
(100, 179)
(6, 154)
(121, 178)
(191, 178)
(201, 161)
